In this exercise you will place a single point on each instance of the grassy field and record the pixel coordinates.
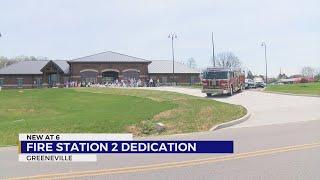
(304, 88)
(107, 111)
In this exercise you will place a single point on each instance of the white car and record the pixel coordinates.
(249, 83)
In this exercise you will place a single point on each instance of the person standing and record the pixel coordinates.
(151, 82)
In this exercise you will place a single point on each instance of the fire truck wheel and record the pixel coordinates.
(231, 91)
(241, 88)
(209, 94)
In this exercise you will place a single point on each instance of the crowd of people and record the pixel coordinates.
(116, 83)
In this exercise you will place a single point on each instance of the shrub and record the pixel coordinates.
(147, 127)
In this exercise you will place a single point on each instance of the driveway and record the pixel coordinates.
(265, 108)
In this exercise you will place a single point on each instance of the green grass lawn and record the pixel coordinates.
(304, 88)
(107, 111)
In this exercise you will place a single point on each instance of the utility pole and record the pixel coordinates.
(172, 36)
(263, 44)
(213, 58)
(0, 60)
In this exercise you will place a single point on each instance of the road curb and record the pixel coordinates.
(291, 94)
(231, 123)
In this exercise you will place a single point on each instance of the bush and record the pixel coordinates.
(147, 127)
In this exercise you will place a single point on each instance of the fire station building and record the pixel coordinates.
(99, 68)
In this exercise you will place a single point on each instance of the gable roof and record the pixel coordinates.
(165, 67)
(61, 65)
(24, 67)
(64, 65)
(32, 67)
(109, 56)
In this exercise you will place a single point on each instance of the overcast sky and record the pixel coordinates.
(69, 29)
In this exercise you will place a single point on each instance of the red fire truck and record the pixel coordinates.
(222, 81)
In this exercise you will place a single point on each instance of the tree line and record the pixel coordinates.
(6, 61)
(308, 71)
(223, 59)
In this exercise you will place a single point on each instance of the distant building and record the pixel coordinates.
(99, 68)
(296, 80)
(162, 70)
(296, 76)
(290, 81)
(258, 79)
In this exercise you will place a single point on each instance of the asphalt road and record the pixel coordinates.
(265, 148)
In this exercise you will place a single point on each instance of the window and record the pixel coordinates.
(231, 74)
(215, 75)
(131, 75)
(154, 78)
(66, 79)
(20, 82)
(1, 82)
(194, 79)
(89, 77)
(164, 79)
(109, 76)
(38, 82)
(53, 79)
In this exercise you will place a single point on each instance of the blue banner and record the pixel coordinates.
(69, 147)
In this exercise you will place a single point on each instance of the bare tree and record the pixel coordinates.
(250, 75)
(282, 76)
(191, 63)
(5, 61)
(317, 74)
(307, 71)
(228, 60)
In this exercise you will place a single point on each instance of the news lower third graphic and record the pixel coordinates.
(85, 147)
